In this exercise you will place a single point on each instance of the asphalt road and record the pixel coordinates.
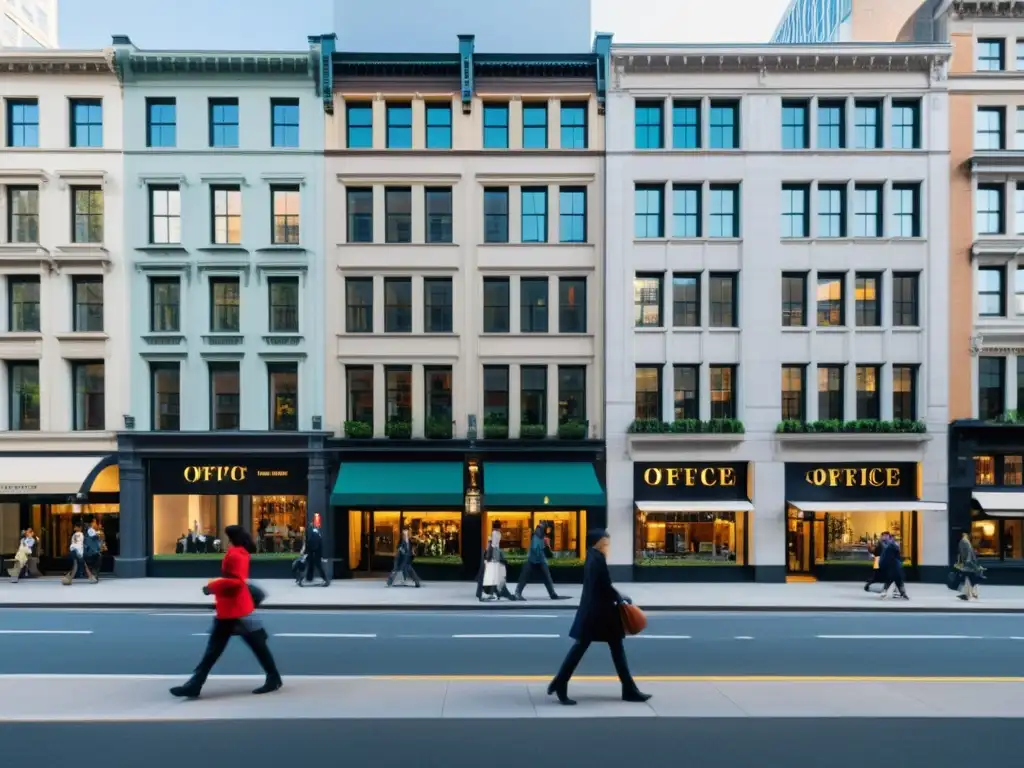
(526, 643)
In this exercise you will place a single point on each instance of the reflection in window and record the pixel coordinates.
(850, 537)
(647, 301)
(436, 536)
(690, 538)
(284, 396)
(534, 395)
(278, 523)
(984, 470)
(561, 532)
(398, 379)
(192, 525)
(648, 392)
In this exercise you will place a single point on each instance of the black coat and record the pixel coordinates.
(314, 542)
(597, 619)
(891, 560)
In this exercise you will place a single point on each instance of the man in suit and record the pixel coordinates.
(403, 561)
(315, 552)
(536, 557)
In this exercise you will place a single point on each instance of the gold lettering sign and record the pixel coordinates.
(690, 477)
(853, 477)
(215, 474)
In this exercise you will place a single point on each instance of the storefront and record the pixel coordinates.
(691, 521)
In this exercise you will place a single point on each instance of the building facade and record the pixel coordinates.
(28, 23)
(776, 332)
(63, 322)
(838, 21)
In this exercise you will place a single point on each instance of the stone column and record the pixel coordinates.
(317, 500)
(131, 562)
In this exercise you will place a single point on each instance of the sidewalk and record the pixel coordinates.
(372, 595)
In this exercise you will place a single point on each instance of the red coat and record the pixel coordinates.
(231, 591)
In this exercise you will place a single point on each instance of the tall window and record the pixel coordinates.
(794, 300)
(535, 214)
(724, 125)
(225, 400)
(830, 392)
(399, 126)
(649, 124)
(286, 204)
(831, 210)
(795, 125)
(495, 126)
(991, 55)
(87, 303)
(22, 123)
(284, 123)
(723, 391)
(23, 396)
(906, 210)
(164, 304)
(989, 218)
(831, 299)
(164, 215)
(398, 215)
(572, 393)
(86, 123)
(686, 300)
(225, 303)
(226, 215)
(868, 395)
(439, 126)
(496, 305)
(867, 129)
(724, 219)
(572, 214)
(574, 125)
(647, 300)
(165, 383)
(648, 392)
(88, 381)
(793, 399)
(359, 203)
(905, 299)
(22, 214)
(906, 123)
(686, 210)
(989, 128)
(572, 305)
(496, 215)
(23, 304)
(223, 122)
(398, 393)
(438, 208)
(359, 386)
(1018, 295)
(904, 392)
(358, 305)
(87, 203)
(533, 396)
(496, 394)
(437, 304)
(535, 126)
(867, 299)
(284, 304)
(686, 124)
(284, 396)
(649, 220)
(161, 123)
(533, 305)
(991, 387)
(437, 380)
(686, 391)
(867, 210)
(831, 124)
(359, 125)
(398, 305)
(796, 199)
(723, 289)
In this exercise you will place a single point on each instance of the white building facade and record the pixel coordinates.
(777, 344)
(28, 23)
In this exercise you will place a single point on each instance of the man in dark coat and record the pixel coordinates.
(315, 552)
(890, 567)
(598, 620)
(877, 577)
(403, 561)
(536, 557)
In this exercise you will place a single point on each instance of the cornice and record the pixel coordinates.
(265, 63)
(57, 62)
(989, 9)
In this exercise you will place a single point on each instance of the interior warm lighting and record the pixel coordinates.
(989, 529)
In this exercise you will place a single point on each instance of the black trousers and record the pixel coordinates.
(575, 656)
(222, 632)
(545, 574)
(896, 577)
(407, 571)
(315, 563)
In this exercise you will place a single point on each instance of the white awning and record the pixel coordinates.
(45, 475)
(694, 506)
(869, 506)
(994, 504)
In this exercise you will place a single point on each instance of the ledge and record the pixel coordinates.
(162, 248)
(658, 439)
(82, 336)
(163, 339)
(223, 248)
(846, 438)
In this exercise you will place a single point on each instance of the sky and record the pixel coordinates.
(277, 24)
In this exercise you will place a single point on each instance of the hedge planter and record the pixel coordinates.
(687, 427)
(358, 430)
(398, 430)
(572, 430)
(496, 431)
(438, 429)
(861, 426)
(533, 431)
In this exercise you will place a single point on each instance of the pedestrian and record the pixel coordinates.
(969, 567)
(403, 561)
(598, 620)
(314, 551)
(890, 566)
(490, 582)
(93, 550)
(23, 555)
(235, 606)
(77, 552)
(536, 557)
(876, 572)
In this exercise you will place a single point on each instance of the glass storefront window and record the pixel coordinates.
(1002, 539)
(386, 532)
(690, 538)
(561, 529)
(850, 537)
(516, 529)
(192, 525)
(984, 470)
(278, 524)
(1013, 468)
(436, 536)
(54, 524)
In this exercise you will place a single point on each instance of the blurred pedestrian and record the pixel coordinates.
(970, 569)
(537, 559)
(490, 582)
(890, 566)
(77, 552)
(876, 572)
(314, 552)
(23, 556)
(403, 561)
(93, 550)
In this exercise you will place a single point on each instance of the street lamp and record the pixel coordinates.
(473, 494)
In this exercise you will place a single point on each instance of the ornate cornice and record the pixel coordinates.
(990, 9)
(217, 63)
(57, 62)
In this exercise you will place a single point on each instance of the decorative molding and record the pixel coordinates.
(223, 339)
(169, 248)
(284, 178)
(801, 439)
(236, 179)
(194, 63)
(283, 339)
(64, 178)
(14, 177)
(365, 179)
(169, 339)
(283, 357)
(168, 179)
(990, 9)
(225, 268)
(1008, 246)
(222, 357)
(976, 344)
(56, 62)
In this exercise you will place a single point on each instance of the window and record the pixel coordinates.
(725, 210)
(161, 123)
(358, 305)
(686, 300)
(534, 395)
(867, 128)
(535, 214)
(572, 393)
(991, 387)
(686, 124)
(574, 125)
(438, 206)
(227, 215)
(359, 125)
(23, 304)
(88, 407)
(831, 300)
(439, 126)
(723, 300)
(359, 388)
(87, 206)
(649, 202)
(399, 125)
(437, 380)
(723, 391)
(794, 300)
(989, 215)
(437, 305)
(686, 210)
(225, 303)
(223, 122)
(1019, 196)
(648, 392)
(398, 215)
(991, 292)
(989, 128)
(284, 304)
(793, 401)
(796, 201)
(23, 396)
(904, 392)
(164, 304)
(397, 305)
(647, 301)
(286, 204)
(991, 55)
(795, 125)
(22, 123)
(225, 400)
(495, 126)
(831, 210)
(686, 391)
(1020, 54)
(904, 299)
(906, 123)
(22, 214)
(1018, 290)
(906, 210)
(867, 210)
(496, 394)
(724, 125)
(284, 396)
(831, 124)
(1019, 143)
(649, 124)
(535, 126)
(164, 215)
(284, 122)
(868, 397)
(496, 305)
(86, 123)
(360, 215)
(88, 303)
(495, 215)
(165, 383)
(830, 393)
(572, 214)
(867, 299)
(533, 305)
(572, 305)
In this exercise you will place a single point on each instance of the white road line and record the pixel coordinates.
(743, 637)
(200, 634)
(1017, 638)
(899, 637)
(345, 635)
(205, 614)
(505, 637)
(662, 637)
(45, 631)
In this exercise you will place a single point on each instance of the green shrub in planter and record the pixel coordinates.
(495, 430)
(533, 431)
(358, 429)
(687, 427)
(572, 430)
(398, 430)
(859, 426)
(438, 429)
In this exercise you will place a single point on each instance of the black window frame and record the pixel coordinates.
(835, 127)
(438, 402)
(687, 211)
(831, 399)
(356, 288)
(398, 215)
(868, 312)
(438, 318)
(359, 222)
(227, 192)
(173, 398)
(874, 221)
(723, 300)
(732, 190)
(829, 215)
(572, 388)
(686, 299)
(364, 129)
(286, 228)
(841, 306)
(906, 304)
(789, 318)
(157, 309)
(569, 108)
(986, 46)
(398, 306)
(794, 401)
(88, 214)
(991, 387)
(90, 415)
(999, 213)
(86, 316)
(899, 215)
(497, 314)
(434, 108)
(868, 134)
(640, 106)
(534, 130)
(723, 408)
(393, 112)
(640, 304)
(284, 122)
(799, 222)
(13, 281)
(572, 316)
(286, 422)
(29, 411)
(686, 391)
(900, 108)
(534, 304)
(227, 308)
(500, 128)
(496, 413)
(14, 216)
(687, 117)
(438, 217)
(224, 125)
(229, 418)
(359, 398)
(646, 216)
(869, 403)
(731, 128)
(540, 220)
(12, 125)
(398, 394)
(801, 128)
(290, 313)
(986, 130)
(89, 125)
(572, 220)
(904, 402)
(538, 389)
(645, 413)
(152, 124)
(496, 213)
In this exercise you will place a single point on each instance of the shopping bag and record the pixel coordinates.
(492, 574)
(954, 580)
(634, 621)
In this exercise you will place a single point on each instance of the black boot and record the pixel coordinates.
(272, 683)
(189, 690)
(258, 643)
(635, 696)
(562, 692)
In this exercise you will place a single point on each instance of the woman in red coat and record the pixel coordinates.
(234, 617)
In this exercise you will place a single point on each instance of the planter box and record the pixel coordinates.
(857, 573)
(203, 568)
(667, 574)
(655, 441)
(852, 438)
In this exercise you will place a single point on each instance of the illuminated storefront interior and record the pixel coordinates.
(436, 537)
(561, 531)
(997, 515)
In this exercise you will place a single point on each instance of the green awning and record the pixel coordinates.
(571, 485)
(399, 484)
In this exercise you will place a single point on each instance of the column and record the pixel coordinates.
(418, 216)
(515, 123)
(317, 500)
(554, 124)
(553, 212)
(552, 399)
(380, 399)
(419, 124)
(134, 506)
(1011, 384)
(379, 214)
(418, 302)
(515, 404)
(515, 214)
(380, 124)
(418, 401)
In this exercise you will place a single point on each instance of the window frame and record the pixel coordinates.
(567, 311)
(687, 211)
(89, 216)
(792, 218)
(790, 129)
(225, 124)
(80, 421)
(721, 313)
(534, 318)
(867, 312)
(866, 222)
(156, 138)
(787, 301)
(646, 108)
(13, 281)
(869, 403)
(646, 415)
(640, 304)
(230, 193)
(867, 134)
(728, 136)
(904, 402)
(19, 414)
(398, 394)
(446, 310)
(442, 398)
(985, 133)
(172, 192)
(398, 306)
(572, 220)
(496, 413)
(991, 406)
(566, 390)
(996, 191)
(835, 221)
(899, 127)
(526, 392)
(92, 140)
(285, 228)
(159, 281)
(686, 123)
(567, 109)
(831, 397)
(727, 408)
(444, 128)
(685, 399)
(832, 304)
(684, 308)
(400, 221)
(356, 220)
(363, 130)
(286, 368)
(281, 281)
(730, 192)
(14, 217)
(230, 369)
(790, 396)
(30, 129)
(835, 129)
(500, 217)
(900, 305)
(354, 288)
(398, 129)
(532, 131)
(78, 307)
(496, 125)
(355, 396)
(905, 221)
(490, 307)
(438, 225)
(536, 222)
(287, 127)
(984, 54)
(225, 306)
(157, 367)
(658, 217)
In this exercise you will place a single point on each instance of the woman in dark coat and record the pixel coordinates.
(598, 620)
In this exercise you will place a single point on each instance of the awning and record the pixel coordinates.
(51, 475)
(399, 484)
(993, 504)
(694, 506)
(572, 485)
(869, 506)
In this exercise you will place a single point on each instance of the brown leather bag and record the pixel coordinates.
(634, 621)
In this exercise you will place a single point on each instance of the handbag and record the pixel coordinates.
(954, 579)
(257, 594)
(494, 574)
(634, 621)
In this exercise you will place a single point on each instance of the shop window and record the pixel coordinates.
(398, 379)
(984, 470)
(1002, 539)
(278, 524)
(192, 525)
(561, 533)
(54, 524)
(436, 536)
(1013, 470)
(850, 537)
(516, 529)
(690, 538)
(386, 532)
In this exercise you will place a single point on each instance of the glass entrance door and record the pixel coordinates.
(799, 544)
